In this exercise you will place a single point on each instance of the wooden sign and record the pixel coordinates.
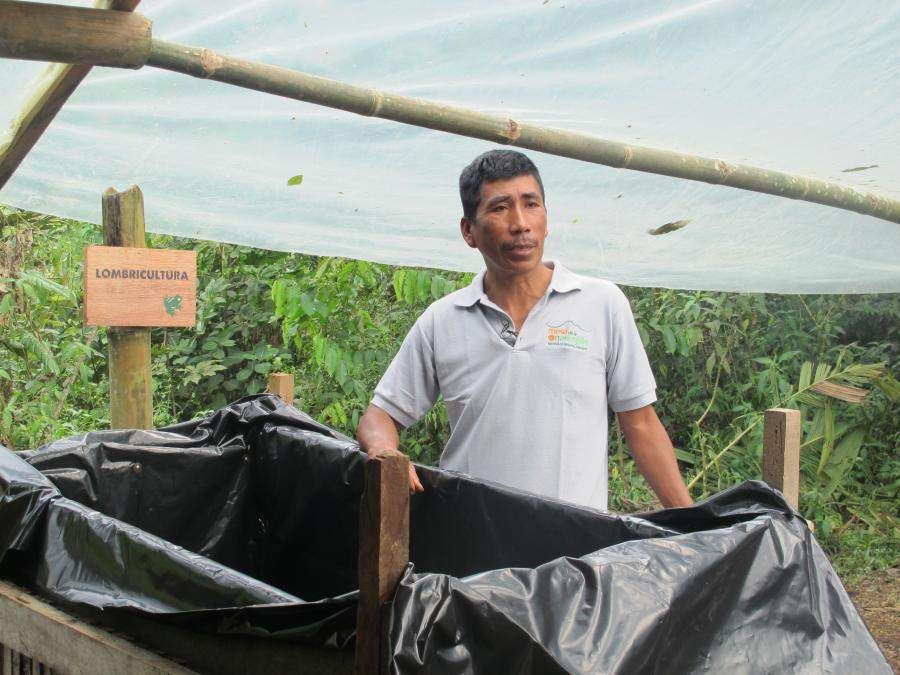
(139, 287)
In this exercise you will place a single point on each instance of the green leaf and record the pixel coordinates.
(438, 284)
(805, 375)
(308, 303)
(398, 280)
(331, 359)
(36, 279)
(710, 363)
(813, 401)
(409, 287)
(244, 374)
(423, 286)
(828, 433)
(668, 338)
(685, 456)
(295, 180)
(319, 345)
(889, 386)
(842, 459)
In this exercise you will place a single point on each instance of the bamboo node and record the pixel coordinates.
(377, 102)
(513, 131)
(629, 155)
(724, 168)
(210, 62)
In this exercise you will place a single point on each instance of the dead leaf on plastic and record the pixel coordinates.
(669, 227)
(860, 168)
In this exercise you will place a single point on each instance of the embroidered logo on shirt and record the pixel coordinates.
(567, 334)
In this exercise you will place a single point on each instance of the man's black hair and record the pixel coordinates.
(492, 165)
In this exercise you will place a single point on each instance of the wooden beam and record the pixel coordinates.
(56, 85)
(383, 555)
(45, 32)
(282, 385)
(130, 402)
(781, 452)
(37, 630)
(231, 654)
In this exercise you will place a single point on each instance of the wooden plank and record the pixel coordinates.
(781, 452)
(230, 654)
(130, 403)
(282, 385)
(139, 287)
(56, 85)
(31, 627)
(46, 32)
(383, 555)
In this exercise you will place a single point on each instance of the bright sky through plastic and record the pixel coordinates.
(807, 88)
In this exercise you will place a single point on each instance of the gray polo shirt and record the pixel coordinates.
(529, 411)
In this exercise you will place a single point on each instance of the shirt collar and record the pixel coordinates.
(562, 281)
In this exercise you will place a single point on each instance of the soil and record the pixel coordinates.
(878, 599)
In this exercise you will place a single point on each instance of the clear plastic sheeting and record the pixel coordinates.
(804, 87)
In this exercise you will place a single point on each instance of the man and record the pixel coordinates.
(527, 358)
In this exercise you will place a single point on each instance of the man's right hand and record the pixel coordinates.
(378, 436)
(415, 485)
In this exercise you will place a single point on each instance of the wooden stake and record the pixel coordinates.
(57, 83)
(383, 555)
(781, 452)
(282, 385)
(130, 403)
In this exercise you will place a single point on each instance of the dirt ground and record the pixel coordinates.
(878, 600)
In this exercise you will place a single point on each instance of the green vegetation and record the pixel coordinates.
(720, 359)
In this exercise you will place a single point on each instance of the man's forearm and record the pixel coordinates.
(377, 430)
(377, 435)
(654, 455)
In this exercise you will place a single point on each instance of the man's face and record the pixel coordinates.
(510, 225)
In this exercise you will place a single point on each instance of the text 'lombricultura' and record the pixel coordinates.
(160, 275)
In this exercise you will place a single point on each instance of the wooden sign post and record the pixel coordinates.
(131, 288)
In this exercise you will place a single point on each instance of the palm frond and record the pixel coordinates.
(841, 392)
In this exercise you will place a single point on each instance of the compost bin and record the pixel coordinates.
(246, 522)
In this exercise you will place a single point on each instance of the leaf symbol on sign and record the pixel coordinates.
(172, 303)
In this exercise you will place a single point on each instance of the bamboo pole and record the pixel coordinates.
(56, 85)
(130, 402)
(90, 36)
(207, 64)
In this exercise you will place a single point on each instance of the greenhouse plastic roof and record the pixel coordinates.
(809, 88)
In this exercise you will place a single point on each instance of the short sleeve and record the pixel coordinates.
(409, 387)
(629, 379)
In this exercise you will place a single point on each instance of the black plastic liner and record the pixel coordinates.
(246, 522)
